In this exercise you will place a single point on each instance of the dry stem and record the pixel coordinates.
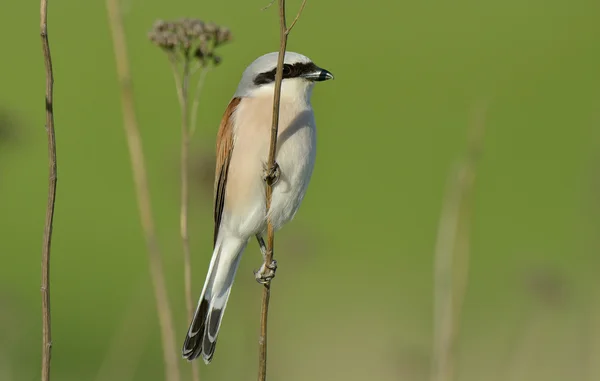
(199, 85)
(142, 191)
(284, 31)
(187, 131)
(183, 90)
(193, 43)
(183, 215)
(45, 288)
(452, 256)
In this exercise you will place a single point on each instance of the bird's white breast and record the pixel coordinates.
(245, 211)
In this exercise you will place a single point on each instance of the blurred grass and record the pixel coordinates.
(355, 300)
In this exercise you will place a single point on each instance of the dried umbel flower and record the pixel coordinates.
(190, 39)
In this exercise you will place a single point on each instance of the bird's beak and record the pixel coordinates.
(318, 75)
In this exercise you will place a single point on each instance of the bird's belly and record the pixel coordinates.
(296, 159)
(245, 213)
(245, 207)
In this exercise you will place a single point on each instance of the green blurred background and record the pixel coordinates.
(353, 299)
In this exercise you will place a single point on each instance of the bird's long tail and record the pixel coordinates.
(202, 334)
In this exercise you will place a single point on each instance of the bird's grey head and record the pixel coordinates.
(298, 71)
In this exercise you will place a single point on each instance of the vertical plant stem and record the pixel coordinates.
(443, 311)
(266, 296)
(196, 104)
(187, 131)
(283, 35)
(142, 191)
(452, 256)
(183, 213)
(185, 198)
(45, 288)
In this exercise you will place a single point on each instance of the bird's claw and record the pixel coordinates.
(266, 273)
(271, 174)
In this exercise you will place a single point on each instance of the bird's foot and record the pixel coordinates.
(271, 174)
(266, 273)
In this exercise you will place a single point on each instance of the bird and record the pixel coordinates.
(242, 149)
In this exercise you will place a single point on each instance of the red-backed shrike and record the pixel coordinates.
(243, 144)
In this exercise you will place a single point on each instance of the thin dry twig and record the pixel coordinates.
(268, 5)
(289, 29)
(284, 31)
(196, 103)
(45, 288)
(142, 191)
(193, 43)
(452, 255)
(185, 199)
(183, 215)
(178, 85)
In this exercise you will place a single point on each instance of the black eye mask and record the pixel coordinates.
(289, 71)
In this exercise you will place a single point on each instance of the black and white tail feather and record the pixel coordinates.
(202, 334)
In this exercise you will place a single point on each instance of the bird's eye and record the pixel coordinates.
(287, 70)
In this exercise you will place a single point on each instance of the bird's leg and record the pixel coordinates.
(263, 246)
(266, 272)
(271, 174)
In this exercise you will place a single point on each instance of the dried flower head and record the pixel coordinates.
(190, 39)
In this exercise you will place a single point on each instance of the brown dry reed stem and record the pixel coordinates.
(185, 199)
(284, 31)
(183, 214)
(192, 43)
(142, 191)
(45, 288)
(196, 103)
(452, 254)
